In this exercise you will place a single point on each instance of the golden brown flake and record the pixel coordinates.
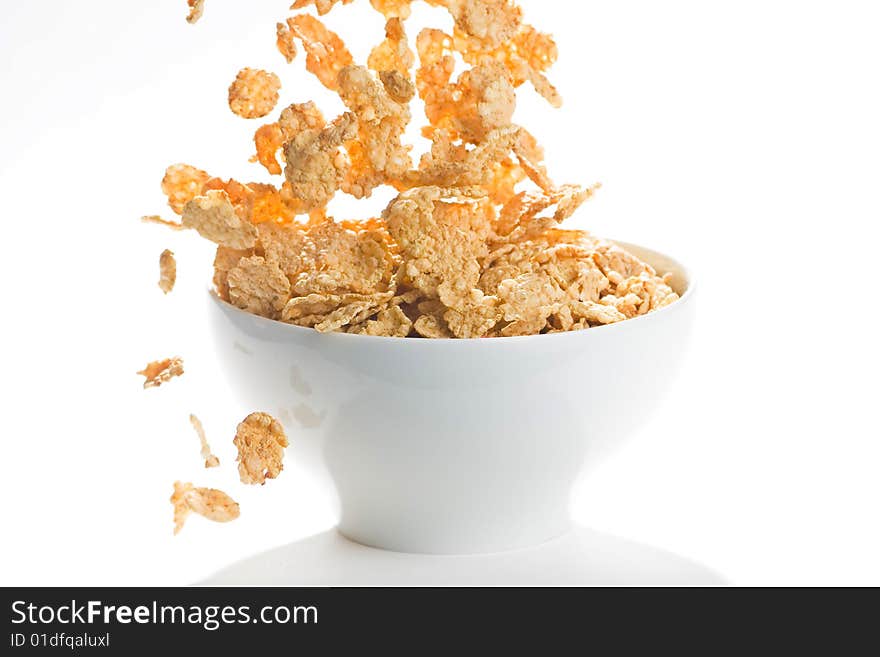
(253, 93)
(378, 155)
(487, 101)
(394, 53)
(167, 271)
(284, 41)
(450, 164)
(260, 441)
(638, 295)
(399, 87)
(224, 261)
(258, 286)
(161, 371)
(326, 53)
(345, 261)
(531, 156)
(287, 246)
(240, 195)
(315, 163)
(181, 184)
(596, 313)
(211, 503)
(521, 216)
(436, 65)
(298, 117)
(391, 322)
(437, 253)
(196, 9)
(268, 203)
(156, 219)
(214, 217)
(526, 54)
(528, 300)
(269, 138)
(618, 264)
(431, 324)
(332, 312)
(491, 21)
(211, 461)
(474, 316)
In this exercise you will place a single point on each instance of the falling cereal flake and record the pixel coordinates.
(253, 93)
(284, 41)
(260, 441)
(156, 219)
(196, 9)
(214, 217)
(211, 461)
(182, 183)
(211, 503)
(161, 371)
(326, 53)
(167, 271)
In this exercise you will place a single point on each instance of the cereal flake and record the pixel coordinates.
(211, 503)
(167, 271)
(211, 461)
(215, 219)
(253, 93)
(161, 371)
(260, 440)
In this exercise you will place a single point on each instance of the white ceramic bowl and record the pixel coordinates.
(456, 446)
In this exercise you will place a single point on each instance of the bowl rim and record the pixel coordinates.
(685, 271)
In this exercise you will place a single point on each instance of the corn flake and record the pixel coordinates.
(211, 503)
(391, 322)
(161, 371)
(167, 271)
(346, 261)
(196, 9)
(211, 461)
(326, 54)
(596, 313)
(437, 253)
(378, 155)
(215, 219)
(315, 163)
(225, 260)
(284, 41)
(156, 219)
(253, 93)
(491, 21)
(260, 440)
(181, 184)
(258, 286)
(394, 53)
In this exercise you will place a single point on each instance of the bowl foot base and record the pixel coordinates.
(581, 557)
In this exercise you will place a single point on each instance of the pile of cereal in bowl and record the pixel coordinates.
(472, 245)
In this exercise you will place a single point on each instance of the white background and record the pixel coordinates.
(743, 137)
